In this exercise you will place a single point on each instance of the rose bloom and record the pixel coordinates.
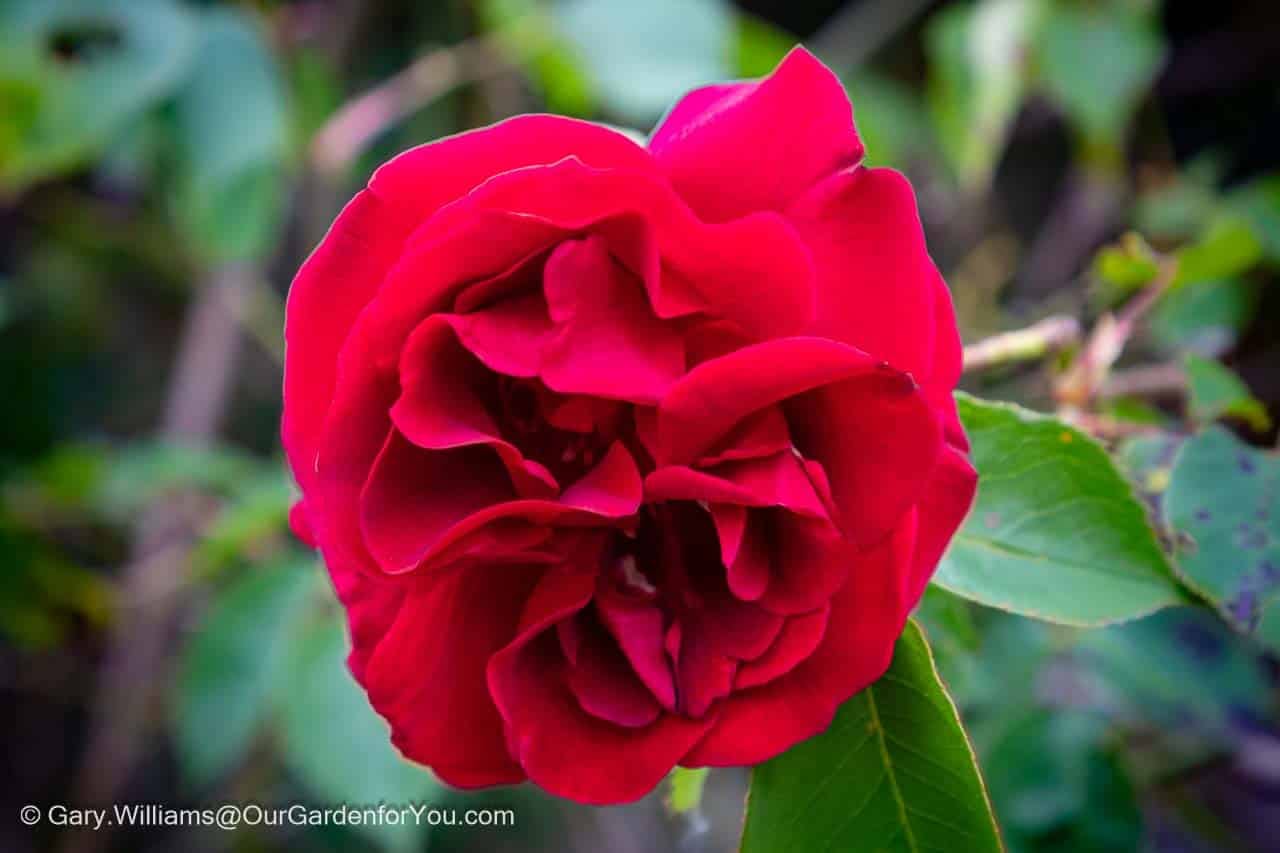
(625, 457)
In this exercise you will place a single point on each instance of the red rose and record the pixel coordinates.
(626, 457)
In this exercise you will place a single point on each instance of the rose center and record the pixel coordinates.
(566, 435)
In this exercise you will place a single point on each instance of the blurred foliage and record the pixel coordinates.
(73, 73)
(145, 145)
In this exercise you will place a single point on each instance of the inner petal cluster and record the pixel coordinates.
(538, 393)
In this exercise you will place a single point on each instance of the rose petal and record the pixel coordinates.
(612, 488)
(563, 749)
(800, 637)
(414, 496)
(332, 287)
(439, 409)
(734, 149)
(300, 525)
(427, 676)
(866, 617)
(808, 560)
(371, 604)
(424, 178)
(779, 480)
(753, 271)
(714, 396)
(602, 679)
(607, 342)
(942, 508)
(638, 628)
(509, 337)
(878, 441)
(761, 434)
(878, 290)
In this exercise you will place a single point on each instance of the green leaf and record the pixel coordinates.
(46, 600)
(1148, 461)
(1056, 532)
(1096, 60)
(1206, 317)
(231, 665)
(113, 483)
(1127, 265)
(1258, 202)
(1056, 788)
(233, 136)
(976, 81)
(335, 742)
(73, 73)
(643, 56)
(1227, 248)
(1223, 503)
(894, 772)
(1213, 392)
(259, 511)
(1205, 681)
(1180, 209)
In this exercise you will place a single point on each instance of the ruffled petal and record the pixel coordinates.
(638, 627)
(601, 678)
(803, 560)
(414, 496)
(562, 748)
(734, 149)
(753, 271)
(351, 263)
(714, 396)
(607, 341)
(332, 287)
(439, 409)
(801, 635)
(779, 480)
(878, 441)
(427, 676)
(866, 617)
(420, 507)
(877, 288)
(424, 178)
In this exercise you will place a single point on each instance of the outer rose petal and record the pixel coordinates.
(424, 178)
(753, 271)
(427, 674)
(877, 288)
(358, 421)
(333, 286)
(351, 262)
(371, 605)
(866, 617)
(877, 440)
(942, 507)
(734, 149)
